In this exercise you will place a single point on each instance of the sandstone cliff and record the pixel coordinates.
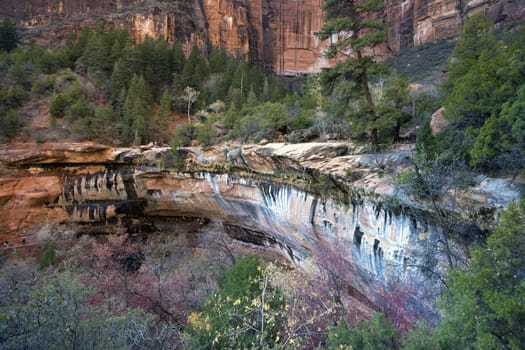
(416, 22)
(287, 198)
(279, 34)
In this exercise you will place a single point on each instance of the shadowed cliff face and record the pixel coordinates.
(366, 232)
(289, 198)
(416, 22)
(279, 34)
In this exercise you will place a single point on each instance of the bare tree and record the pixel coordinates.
(217, 106)
(190, 96)
(439, 181)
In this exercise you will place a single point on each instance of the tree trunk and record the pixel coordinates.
(374, 138)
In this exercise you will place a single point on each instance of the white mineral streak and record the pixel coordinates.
(297, 218)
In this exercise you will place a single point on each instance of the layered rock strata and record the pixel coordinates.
(293, 198)
(279, 34)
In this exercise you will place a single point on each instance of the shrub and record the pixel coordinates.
(183, 135)
(205, 134)
(48, 258)
(245, 313)
(58, 105)
(9, 123)
(377, 333)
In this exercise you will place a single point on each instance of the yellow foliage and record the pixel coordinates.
(197, 320)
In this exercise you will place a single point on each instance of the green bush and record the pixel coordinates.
(183, 135)
(9, 123)
(245, 313)
(48, 258)
(16, 95)
(205, 134)
(8, 35)
(59, 104)
(376, 334)
(43, 85)
(262, 121)
(59, 314)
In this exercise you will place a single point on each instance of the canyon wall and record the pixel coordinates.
(288, 198)
(416, 22)
(278, 34)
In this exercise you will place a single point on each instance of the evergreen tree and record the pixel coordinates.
(357, 29)
(188, 74)
(97, 55)
(251, 101)
(103, 117)
(474, 38)
(266, 93)
(136, 110)
(121, 102)
(255, 79)
(9, 123)
(484, 307)
(218, 60)
(500, 142)
(120, 78)
(240, 78)
(75, 45)
(161, 117)
(395, 103)
(195, 69)
(201, 71)
(483, 94)
(8, 35)
(161, 77)
(475, 88)
(178, 59)
(118, 39)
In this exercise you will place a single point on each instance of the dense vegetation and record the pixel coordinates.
(100, 86)
(483, 100)
(112, 91)
(105, 88)
(116, 293)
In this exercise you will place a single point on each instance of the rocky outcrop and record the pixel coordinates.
(293, 198)
(416, 22)
(280, 35)
(48, 21)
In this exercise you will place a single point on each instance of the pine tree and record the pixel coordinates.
(119, 79)
(120, 39)
(357, 29)
(161, 117)
(395, 102)
(136, 110)
(483, 308)
(8, 35)
(195, 69)
(218, 60)
(97, 55)
(161, 76)
(178, 59)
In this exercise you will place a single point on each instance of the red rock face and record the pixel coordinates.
(416, 22)
(279, 34)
